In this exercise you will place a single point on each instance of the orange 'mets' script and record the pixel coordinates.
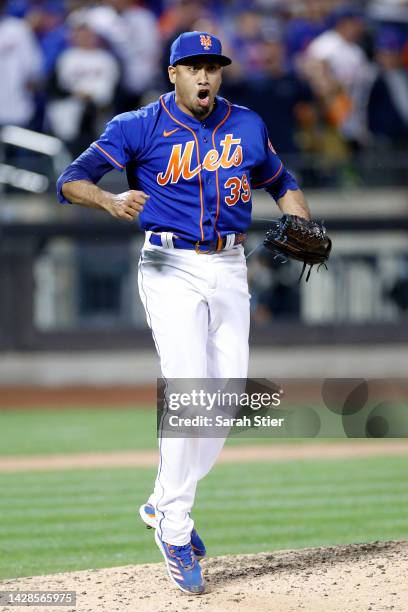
(180, 162)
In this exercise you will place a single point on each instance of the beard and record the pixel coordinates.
(200, 112)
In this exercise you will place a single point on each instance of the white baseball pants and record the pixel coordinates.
(197, 306)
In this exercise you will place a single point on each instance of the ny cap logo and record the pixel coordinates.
(206, 42)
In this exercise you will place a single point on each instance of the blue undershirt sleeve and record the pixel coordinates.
(285, 182)
(89, 166)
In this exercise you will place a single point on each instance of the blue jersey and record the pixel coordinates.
(199, 175)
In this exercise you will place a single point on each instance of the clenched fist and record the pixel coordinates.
(127, 205)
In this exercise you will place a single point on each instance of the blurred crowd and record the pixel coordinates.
(329, 79)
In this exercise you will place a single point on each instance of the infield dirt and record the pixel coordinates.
(355, 578)
(240, 454)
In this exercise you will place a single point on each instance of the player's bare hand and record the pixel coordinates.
(127, 205)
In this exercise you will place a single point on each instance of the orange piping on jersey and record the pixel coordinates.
(219, 241)
(270, 179)
(107, 155)
(198, 159)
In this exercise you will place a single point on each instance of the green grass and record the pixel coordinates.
(34, 432)
(66, 520)
(26, 432)
(37, 432)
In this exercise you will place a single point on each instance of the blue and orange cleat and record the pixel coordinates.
(148, 516)
(182, 566)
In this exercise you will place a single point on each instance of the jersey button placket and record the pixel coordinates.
(208, 176)
(205, 137)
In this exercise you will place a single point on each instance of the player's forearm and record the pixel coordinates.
(88, 194)
(294, 203)
(127, 205)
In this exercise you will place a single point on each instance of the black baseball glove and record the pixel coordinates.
(296, 238)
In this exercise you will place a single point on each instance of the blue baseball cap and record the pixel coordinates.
(190, 45)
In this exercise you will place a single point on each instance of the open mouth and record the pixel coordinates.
(204, 97)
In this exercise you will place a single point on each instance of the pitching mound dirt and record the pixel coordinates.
(343, 578)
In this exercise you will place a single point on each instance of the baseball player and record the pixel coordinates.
(192, 160)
